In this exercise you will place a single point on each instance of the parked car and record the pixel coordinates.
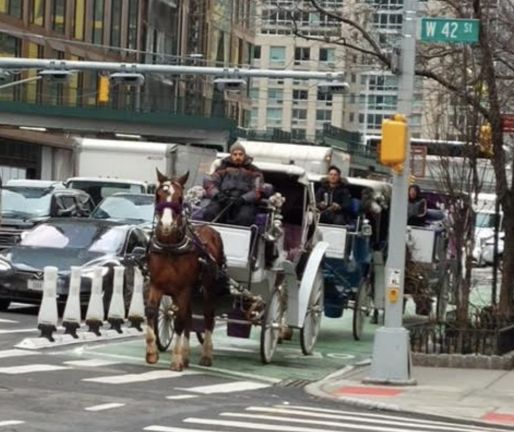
(23, 207)
(487, 250)
(137, 209)
(63, 243)
(36, 183)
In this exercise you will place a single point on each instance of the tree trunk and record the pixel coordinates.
(506, 303)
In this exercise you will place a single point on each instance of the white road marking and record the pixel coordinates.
(132, 378)
(91, 363)
(30, 330)
(252, 426)
(174, 429)
(180, 397)
(8, 321)
(227, 387)
(104, 406)
(11, 422)
(16, 353)
(15, 370)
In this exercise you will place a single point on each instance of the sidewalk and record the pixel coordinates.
(464, 394)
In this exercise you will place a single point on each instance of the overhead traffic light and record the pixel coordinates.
(393, 148)
(103, 89)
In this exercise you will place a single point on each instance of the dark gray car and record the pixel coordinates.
(63, 243)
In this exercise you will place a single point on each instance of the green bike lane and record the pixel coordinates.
(335, 349)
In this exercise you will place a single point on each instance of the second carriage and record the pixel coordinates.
(274, 265)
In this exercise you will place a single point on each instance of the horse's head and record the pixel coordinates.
(169, 198)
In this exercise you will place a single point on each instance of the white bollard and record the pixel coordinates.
(47, 318)
(95, 310)
(72, 316)
(116, 315)
(136, 314)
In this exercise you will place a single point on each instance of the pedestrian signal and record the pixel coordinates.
(485, 143)
(393, 147)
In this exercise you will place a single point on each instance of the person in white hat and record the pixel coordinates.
(234, 188)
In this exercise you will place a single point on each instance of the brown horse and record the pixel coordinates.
(181, 257)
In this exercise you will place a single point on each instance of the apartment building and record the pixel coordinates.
(295, 106)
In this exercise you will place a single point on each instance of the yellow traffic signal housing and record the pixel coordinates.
(486, 140)
(393, 148)
(103, 89)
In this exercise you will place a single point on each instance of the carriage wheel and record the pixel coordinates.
(312, 324)
(163, 325)
(271, 326)
(361, 308)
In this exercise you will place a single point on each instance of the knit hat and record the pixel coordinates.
(237, 146)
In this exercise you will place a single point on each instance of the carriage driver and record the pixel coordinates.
(236, 183)
(333, 199)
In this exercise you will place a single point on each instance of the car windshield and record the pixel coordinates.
(87, 237)
(99, 190)
(26, 202)
(139, 208)
(485, 220)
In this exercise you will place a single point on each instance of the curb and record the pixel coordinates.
(316, 389)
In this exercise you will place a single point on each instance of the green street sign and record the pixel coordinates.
(448, 30)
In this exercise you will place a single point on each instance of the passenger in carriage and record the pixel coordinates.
(333, 199)
(417, 207)
(235, 189)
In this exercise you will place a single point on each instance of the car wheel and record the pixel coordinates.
(4, 304)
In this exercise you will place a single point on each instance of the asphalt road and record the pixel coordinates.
(62, 390)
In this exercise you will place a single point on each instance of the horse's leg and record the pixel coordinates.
(209, 315)
(181, 324)
(152, 311)
(185, 340)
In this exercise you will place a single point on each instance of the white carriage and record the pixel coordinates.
(274, 266)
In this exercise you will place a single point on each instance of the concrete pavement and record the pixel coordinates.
(464, 394)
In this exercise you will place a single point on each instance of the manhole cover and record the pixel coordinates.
(291, 382)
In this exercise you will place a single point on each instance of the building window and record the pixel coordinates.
(59, 15)
(324, 115)
(79, 19)
(132, 25)
(257, 52)
(300, 95)
(327, 55)
(34, 88)
(327, 97)
(10, 47)
(116, 23)
(301, 55)
(12, 7)
(274, 114)
(298, 134)
(352, 117)
(277, 56)
(37, 12)
(275, 95)
(98, 24)
(299, 114)
(254, 93)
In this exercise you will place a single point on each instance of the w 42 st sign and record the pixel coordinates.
(447, 30)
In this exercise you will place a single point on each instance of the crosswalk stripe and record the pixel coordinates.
(235, 386)
(30, 330)
(141, 377)
(356, 417)
(252, 426)
(469, 428)
(11, 422)
(8, 321)
(155, 428)
(15, 370)
(90, 363)
(104, 407)
(180, 397)
(16, 353)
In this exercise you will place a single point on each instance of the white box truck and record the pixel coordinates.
(104, 167)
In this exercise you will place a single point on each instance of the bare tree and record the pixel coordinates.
(486, 90)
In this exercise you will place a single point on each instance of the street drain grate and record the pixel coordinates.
(292, 382)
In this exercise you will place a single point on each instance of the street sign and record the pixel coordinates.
(508, 123)
(449, 30)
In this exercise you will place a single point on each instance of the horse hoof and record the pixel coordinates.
(176, 367)
(186, 363)
(152, 358)
(205, 361)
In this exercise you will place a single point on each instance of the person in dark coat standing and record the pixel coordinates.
(234, 188)
(417, 207)
(333, 199)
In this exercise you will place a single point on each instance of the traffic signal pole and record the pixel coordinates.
(391, 360)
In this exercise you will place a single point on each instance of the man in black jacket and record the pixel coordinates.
(333, 199)
(234, 188)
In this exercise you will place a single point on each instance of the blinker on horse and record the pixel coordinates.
(181, 257)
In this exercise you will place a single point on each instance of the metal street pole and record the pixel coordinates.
(78, 65)
(391, 361)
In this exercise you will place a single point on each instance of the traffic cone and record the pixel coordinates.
(95, 310)
(116, 316)
(71, 319)
(47, 317)
(136, 314)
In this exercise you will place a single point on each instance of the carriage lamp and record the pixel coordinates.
(366, 229)
(393, 294)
